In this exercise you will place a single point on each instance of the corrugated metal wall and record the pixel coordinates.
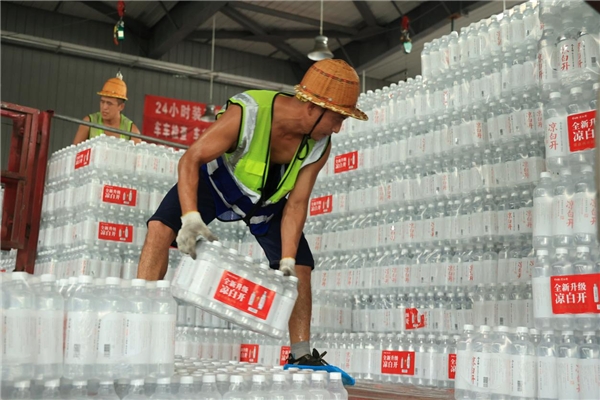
(68, 84)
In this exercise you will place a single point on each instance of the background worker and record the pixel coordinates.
(112, 103)
(258, 163)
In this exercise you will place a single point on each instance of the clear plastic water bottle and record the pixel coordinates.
(110, 329)
(542, 212)
(50, 308)
(186, 391)
(335, 387)
(79, 390)
(163, 390)
(237, 389)
(51, 390)
(567, 366)
(464, 352)
(209, 390)
(162, 342)
(562, 265)
(81, 331)
(21, 390)
(137, 333)
(589, 366)
(106, 391)
(136, 390)
(542, 296)
(523, 366)
(280, 388)
(583, 264)
(481, 363)
(546, 352)
(562, 210)
(556, 135)
(318, 387)
(584, 218)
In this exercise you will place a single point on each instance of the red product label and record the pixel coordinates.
(412, 319)
(575, 294)
(83, 158)
(398, 362)
(174, 120)
(244, 295)
(249, 353)
(284, 354)
(345, 162)
(581, 130)
(451, 366)
(321, 205)
(115, 232)
(119, 195)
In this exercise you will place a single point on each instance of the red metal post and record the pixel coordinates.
(24, 181)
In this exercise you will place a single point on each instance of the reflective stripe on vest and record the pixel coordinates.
(96, 118)
(238, 177)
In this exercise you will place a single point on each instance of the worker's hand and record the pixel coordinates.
(192, 229)
(287, 265)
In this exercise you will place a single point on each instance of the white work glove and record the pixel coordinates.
(192, 229)
(287, 265)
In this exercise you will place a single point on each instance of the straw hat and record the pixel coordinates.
(334, 85)
(114, 87)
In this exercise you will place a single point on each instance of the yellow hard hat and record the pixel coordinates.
(114, 87)
(332, 84)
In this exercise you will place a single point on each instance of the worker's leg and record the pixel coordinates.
(154, 258)
(299, 324)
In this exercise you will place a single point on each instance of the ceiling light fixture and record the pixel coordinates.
(321, 50)
(209, 114)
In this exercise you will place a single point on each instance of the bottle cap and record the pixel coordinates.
(79, 383)
(484, 328)
(137, 382)
(335, 376)
(548, 332)
(186, 380)
(545, 175)
(317, 376)
(555, 95)
(138, 283)
(502, 328)
(258, 378)
(236, 379)
(163, 381)
(298, 377)
(534, 331)
(150, 284)
(86, 279)
(208, 378)
(542, 252)
(22, 384)
(111, 280)
(107, 382)
(562, 250)
(248, 259)
(72, 280)
(163, 284)
(46, 278)
(232, 251)
(279, 378)
(222, 377)
(522, 329)
(19, 275)
(54, 383)
(583, 249)
(567, 333)
(576, 90)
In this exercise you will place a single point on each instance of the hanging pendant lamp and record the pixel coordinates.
(321, 50)
(209, 114)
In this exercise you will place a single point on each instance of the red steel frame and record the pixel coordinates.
(24, 181)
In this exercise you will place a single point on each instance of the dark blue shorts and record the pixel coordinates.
(169, 213)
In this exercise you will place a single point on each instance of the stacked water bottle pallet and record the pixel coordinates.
(234, 288)
(97, 198)
(86, 330)
(498, 364)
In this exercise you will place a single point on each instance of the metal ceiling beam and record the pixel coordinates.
(365, 12)
(280, 34)
(242, 5)
(187, 16)
(258, 30)
(131, 24)
(424, 19)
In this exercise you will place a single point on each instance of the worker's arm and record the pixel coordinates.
(220, 137)
(215, 141)
(83, 133)
(135, 129)
(294, 212)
